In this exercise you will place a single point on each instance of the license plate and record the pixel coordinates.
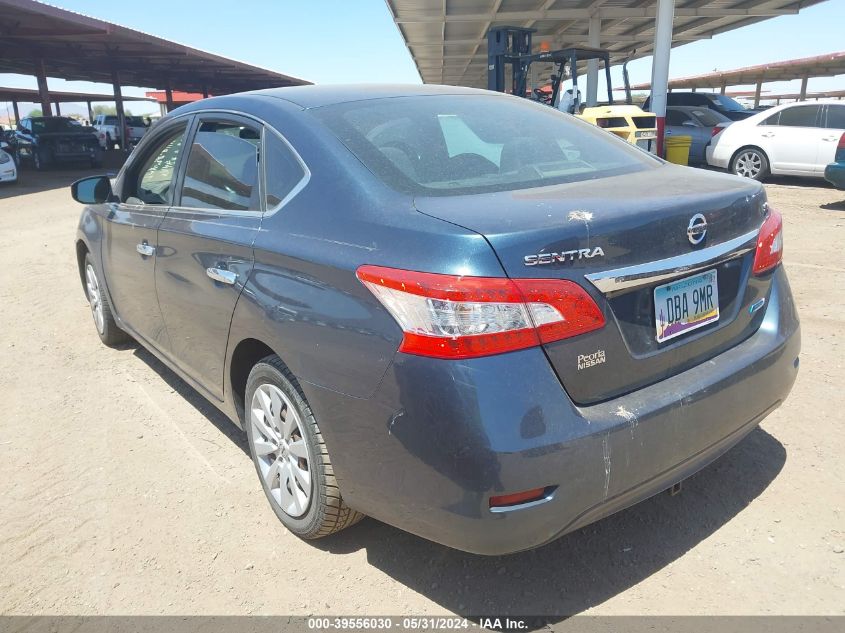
(686, 305)
(645, 135)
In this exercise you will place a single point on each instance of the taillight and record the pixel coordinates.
(840, 149)
(448, 316)
(716, 129)
(769, 243)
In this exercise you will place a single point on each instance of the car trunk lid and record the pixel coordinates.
(620, 238)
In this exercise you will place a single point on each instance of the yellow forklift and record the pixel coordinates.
(512, 46)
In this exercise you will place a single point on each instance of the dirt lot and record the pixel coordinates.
(123, 492)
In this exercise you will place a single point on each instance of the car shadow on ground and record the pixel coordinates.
(798, 181)
(584, 568)
(194, 398)
(835, 206)
(568, 576)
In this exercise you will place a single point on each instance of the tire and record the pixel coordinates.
(104, 322)
(750, 162)
(319, 511)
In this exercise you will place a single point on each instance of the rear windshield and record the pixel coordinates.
(462, 144)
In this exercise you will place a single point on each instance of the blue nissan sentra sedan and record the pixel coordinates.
(462, 313)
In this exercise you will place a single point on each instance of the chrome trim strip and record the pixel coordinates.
(618, 279)
(523, 506)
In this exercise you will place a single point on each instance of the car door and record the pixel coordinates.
(792, 137)
(834, 118)
(206, 242)
(130, 241)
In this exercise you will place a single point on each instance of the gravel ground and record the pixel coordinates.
(125, 493)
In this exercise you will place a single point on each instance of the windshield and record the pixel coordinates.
(461, 144)
(54, 124)
(726, 103)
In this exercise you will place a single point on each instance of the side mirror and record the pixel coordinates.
(92, 190)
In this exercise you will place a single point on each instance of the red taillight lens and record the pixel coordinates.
(716, 129)
(447, 316)
(769, 243)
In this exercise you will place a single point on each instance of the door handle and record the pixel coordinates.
(830, 138)
(768, 135)
(221, 275)
(145, 249)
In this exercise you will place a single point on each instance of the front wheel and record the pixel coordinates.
(750, 162)
(290, 455)
(107, 328)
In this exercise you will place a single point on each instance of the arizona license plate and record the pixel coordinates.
(686, 305)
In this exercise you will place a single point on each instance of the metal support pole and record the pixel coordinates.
(757, 91)
(660, 65)
(17, 113)
(804, 88)
(594, 40)
(118, 104)
(168, 94)
(90, 114)
(205, 91)
(722, 90)
(58, 109)
(43, 92)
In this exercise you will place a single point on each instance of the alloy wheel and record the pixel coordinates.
(95, 298)
(280, 449)
(748, 164)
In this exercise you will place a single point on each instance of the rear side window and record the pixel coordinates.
(836, 117)
(282, 170)
(462, 144)
(799, 116)
(222, 168)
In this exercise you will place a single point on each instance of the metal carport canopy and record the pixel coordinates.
(447, 38)
(27, 95)
(41, 39)
(828, 65)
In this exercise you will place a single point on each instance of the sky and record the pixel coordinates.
(348, 41)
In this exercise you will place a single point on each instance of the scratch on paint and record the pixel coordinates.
(605, 447)
(395, 417)
(631, 418)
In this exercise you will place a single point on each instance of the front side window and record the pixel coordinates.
(153, 182)
(222, 168)
(463, 144)
(799, 116)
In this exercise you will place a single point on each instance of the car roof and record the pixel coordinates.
(331, 94)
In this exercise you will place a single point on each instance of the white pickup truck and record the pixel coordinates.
(107, 132)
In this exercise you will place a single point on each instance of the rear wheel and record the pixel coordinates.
(107, 328)
(290, 455)
(750, 162)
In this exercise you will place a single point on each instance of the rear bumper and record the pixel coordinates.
(835, 175)
(715, 157)
(440, 437)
